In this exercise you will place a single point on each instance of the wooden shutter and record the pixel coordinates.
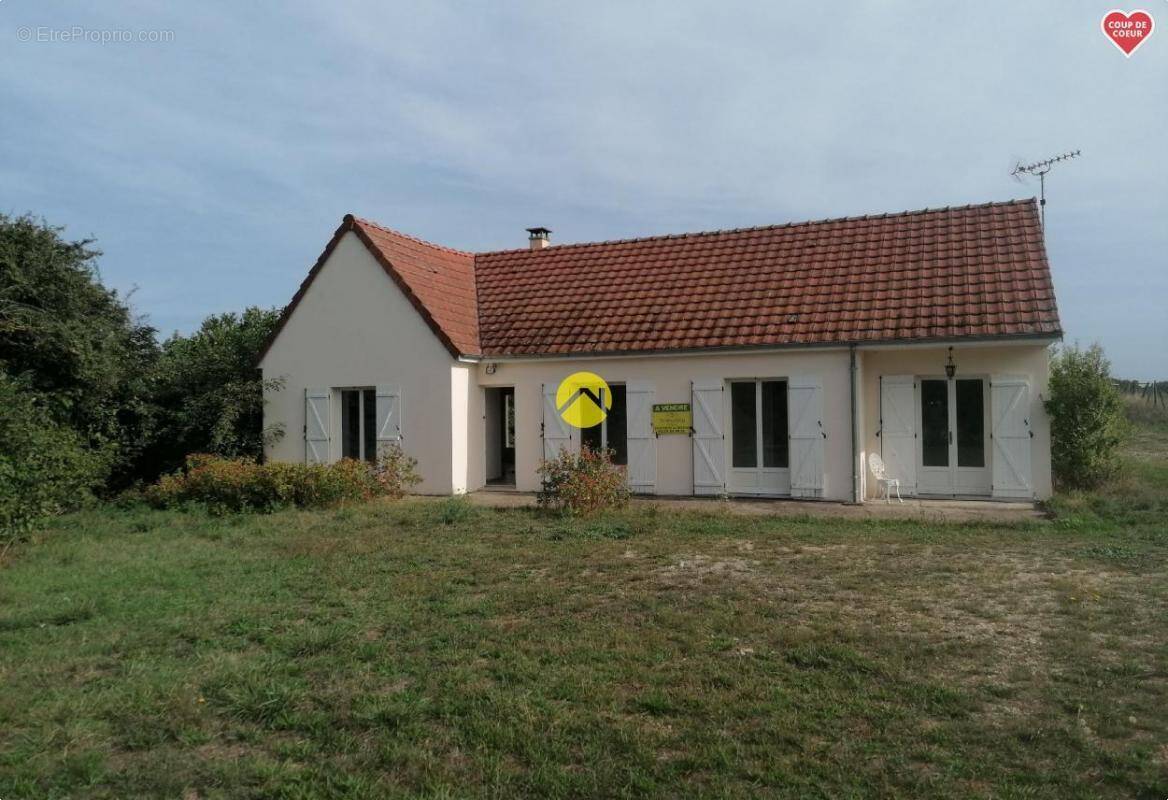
(642, 443)
(1010, 412)
(805, 409)
(709, 441)
(557, 435)
(389, 416)
(316, 425)
(898, 430)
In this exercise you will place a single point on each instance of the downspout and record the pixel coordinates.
(855, 433)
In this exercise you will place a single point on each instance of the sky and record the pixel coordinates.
(213, 154)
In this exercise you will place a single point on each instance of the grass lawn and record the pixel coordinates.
(433, 649)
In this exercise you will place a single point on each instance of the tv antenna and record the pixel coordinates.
(1040, 168)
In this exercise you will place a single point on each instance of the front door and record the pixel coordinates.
(952, 456)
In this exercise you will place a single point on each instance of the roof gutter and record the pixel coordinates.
(877, 344)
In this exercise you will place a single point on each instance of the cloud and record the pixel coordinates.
(214, 167)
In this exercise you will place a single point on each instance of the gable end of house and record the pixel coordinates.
(362, 230)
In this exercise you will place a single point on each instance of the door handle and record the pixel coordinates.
(950, 437)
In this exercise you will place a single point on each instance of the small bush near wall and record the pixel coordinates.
(396, 472)
(582, 483)
(228, 484)
(1086, 418)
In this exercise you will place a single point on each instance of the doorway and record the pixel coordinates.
(759, 441)
(499, 418)
(953, 454)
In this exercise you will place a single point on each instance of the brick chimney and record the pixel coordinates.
(538, 238)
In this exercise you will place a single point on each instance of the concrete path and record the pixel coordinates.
(941, 510)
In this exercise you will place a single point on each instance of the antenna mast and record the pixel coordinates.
(1040, 168)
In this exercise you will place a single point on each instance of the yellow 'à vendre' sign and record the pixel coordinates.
(672, 418)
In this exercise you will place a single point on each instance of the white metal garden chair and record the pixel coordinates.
(887, 484)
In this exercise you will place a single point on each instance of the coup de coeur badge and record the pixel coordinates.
(1127, 30)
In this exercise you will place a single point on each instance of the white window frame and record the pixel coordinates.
(757, 480)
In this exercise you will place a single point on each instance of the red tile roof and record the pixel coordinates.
(974, 271)
(439, 281)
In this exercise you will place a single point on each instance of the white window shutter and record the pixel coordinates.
(316, 425)
(805, 409)
(709, 441)
(1010, 413)
(642, 443)
(389, 416)
(898, 429)
(556, 433)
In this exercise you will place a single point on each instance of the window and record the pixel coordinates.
(751, 401)
(743, 425)
(934, 423)
(612, 433)
(774, 424)
(509, 419)
(970, 423)
(359, 424)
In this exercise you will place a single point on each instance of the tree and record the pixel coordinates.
(45, 467)
(207, 391)
(1086, 417)
(90, 368)
(73, 342)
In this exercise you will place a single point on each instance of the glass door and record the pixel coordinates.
(935, 475)
(759, 444)
(971, 473)
(953, 425)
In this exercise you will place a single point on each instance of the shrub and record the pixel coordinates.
(235, 484)
(582, 483)
(396, 471)
(1086, 418)
(45, 468)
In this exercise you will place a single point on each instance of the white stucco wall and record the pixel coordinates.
(671, 376)
(354, 327)
(461, 404)
(1021, 359)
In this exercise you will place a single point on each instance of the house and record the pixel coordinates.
(799, 349)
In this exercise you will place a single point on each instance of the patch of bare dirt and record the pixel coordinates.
(696, 567)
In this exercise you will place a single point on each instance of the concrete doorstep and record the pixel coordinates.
(911, 508)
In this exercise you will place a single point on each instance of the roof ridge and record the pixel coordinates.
(771, 227)
(354, 218)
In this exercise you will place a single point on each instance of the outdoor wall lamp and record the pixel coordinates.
(491, 368)
(950, 367)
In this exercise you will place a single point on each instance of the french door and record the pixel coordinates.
(953, 452)
(759, 445)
